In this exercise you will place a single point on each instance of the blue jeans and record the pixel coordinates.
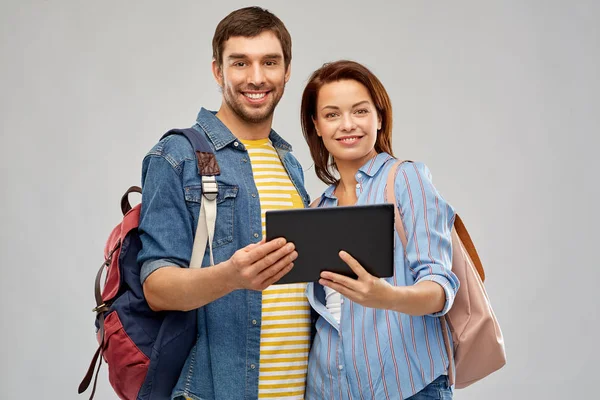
(438, 390)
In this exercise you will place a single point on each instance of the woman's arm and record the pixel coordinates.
(427, 220)
(423, 298)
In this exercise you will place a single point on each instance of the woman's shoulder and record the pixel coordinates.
(319, 200)
(409, 170)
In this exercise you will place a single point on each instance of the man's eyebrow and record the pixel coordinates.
(354, 105)
(237, 56)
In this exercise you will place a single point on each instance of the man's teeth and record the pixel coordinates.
(255, 96)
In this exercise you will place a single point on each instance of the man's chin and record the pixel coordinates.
(257, 115)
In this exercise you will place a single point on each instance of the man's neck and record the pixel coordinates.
(242, 129)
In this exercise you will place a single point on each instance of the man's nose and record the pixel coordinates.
(256, 76)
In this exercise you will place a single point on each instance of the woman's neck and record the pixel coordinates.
(345, 190)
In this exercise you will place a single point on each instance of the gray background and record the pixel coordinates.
(500, 99)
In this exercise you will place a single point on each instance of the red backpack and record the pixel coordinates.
(145, 350)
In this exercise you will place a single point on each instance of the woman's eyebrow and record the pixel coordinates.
(354, 105)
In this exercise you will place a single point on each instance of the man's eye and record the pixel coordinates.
(270, 63)
(240, 64)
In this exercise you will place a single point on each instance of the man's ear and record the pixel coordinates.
(288, 72)
(316, 129)
(217, 72)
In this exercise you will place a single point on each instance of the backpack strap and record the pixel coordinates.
(390, 197)
(208, 168)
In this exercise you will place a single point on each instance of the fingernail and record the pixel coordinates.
(294, 255)
(290, 246)
(281, 242)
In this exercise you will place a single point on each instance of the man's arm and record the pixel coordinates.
(255, 267)
(167, 239)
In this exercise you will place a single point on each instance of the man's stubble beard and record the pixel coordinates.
(239, 110)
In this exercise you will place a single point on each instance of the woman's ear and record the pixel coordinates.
(316, 128)
(378, 122)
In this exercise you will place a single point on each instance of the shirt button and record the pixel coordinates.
(256, 235)
(254, 322)
(358, 185)
(244, 160)
(340, 367)
(236, 144)
(253, 194)
(252, 366)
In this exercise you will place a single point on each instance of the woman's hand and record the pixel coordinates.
(367, 290)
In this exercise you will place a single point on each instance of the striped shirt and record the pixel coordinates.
(382, 354)
(285, 329)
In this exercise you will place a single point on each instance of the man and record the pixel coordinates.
(251, 343)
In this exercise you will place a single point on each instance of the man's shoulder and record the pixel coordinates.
(174, 148)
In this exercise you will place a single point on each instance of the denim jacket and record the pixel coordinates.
(224, 363)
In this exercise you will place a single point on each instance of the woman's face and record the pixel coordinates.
(347, 121)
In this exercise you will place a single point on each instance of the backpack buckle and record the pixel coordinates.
(101, 308)
(210, 189)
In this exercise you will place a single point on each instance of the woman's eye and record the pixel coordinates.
(330, 115)
(362, 111)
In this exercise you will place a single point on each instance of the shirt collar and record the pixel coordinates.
(221, 136)
(370, 169)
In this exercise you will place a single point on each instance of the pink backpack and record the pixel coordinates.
(476, 337)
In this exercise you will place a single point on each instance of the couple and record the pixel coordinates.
(373, 338)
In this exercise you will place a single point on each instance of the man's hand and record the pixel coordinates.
(259, 265)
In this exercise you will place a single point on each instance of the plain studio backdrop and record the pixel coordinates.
(500, 99)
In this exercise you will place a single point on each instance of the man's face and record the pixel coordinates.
(252, 75)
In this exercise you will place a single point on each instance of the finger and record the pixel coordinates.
(279, 275)
(353, 264)
(273, 269)
(341, 289)
(253, 245)
(263, 249)
(350, 283)
(274, 257)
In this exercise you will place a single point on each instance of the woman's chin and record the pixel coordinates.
(353, 155)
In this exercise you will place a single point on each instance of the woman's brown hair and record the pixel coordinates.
(333, 72)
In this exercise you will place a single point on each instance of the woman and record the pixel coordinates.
(376, 338)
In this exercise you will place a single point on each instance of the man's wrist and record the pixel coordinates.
(225, 275)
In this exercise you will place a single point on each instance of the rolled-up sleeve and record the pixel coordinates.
(165, 225)
(428, 221)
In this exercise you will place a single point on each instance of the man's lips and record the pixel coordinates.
(255, 96)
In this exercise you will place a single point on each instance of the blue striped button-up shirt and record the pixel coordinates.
(382, 354)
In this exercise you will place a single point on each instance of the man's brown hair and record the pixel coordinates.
(250, 22)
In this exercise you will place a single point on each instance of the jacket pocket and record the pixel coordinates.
(225, 211)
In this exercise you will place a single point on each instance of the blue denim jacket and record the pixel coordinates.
(224, 362)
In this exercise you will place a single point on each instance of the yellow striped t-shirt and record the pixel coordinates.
(285, 330)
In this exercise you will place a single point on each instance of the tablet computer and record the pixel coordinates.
(366, 232)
